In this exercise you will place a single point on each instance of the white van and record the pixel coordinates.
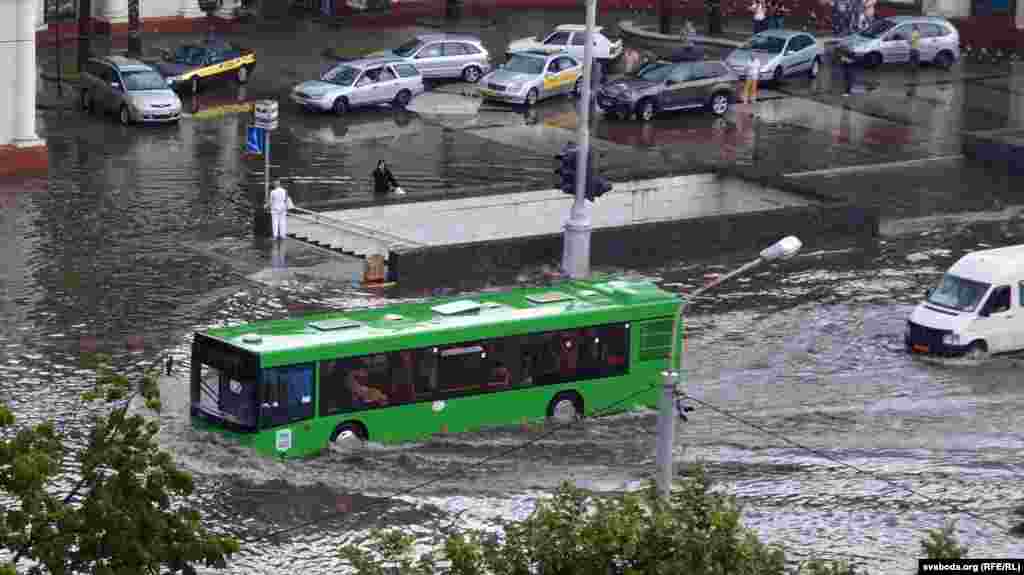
(975, 310)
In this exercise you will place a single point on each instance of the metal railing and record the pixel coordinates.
(380, 242)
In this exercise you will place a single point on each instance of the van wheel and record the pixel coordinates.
(777, 76)
(349, 436)
(577, 90)
(977, 351)
(125, 116)
(566, 407)
(531, 97)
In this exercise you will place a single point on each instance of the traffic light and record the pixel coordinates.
(597, 186)
(566, 171)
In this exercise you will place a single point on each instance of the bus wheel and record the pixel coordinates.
(348, 436)
(566, 407)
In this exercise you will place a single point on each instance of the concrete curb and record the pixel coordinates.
(630, 30)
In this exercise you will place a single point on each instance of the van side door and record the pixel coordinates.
(996, 320)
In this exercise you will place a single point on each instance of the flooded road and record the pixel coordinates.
(142, 235)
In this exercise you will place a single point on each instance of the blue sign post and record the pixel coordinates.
(255, 143)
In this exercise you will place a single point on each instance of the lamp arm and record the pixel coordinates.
(676, 352)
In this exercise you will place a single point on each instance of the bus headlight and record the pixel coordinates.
(951, 339)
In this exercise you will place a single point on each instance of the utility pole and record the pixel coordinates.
(576, 239)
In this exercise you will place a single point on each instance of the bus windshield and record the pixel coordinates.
(224, 385)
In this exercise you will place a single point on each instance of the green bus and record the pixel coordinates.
(291, 387)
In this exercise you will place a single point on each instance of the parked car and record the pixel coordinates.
(130, 88)
(444, 56)
(528, 77)
(569, 38)
(888, 40)
(361, 83)
(781, 53)
(192, 65)
(975, 309)
(661, 86)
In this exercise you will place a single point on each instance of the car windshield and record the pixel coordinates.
(524, 65)
(655, 71)
(137, 80)
(407, 49)
(190, 55)
(878, 28)
(342, 75)
(770, 44)
(958, 293)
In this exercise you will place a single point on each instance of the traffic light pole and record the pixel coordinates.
(576, 239)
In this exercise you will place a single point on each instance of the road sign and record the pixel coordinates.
(255, 142)
(265, 114)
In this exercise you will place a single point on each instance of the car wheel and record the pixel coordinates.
(125, 116)
(645, 110)
(873, 60)
(531, 97)
(86, 104)
(195, 85)
(815, 68)
(719, 104)
(402, 99)
(340, 106)
(472, 74)
(977, 351)
(777, 75)
(577, 90)
(243, 75)
(944, 60)
(565, 407)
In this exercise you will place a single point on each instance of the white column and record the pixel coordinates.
(190, 9)
(114, 11)
(40, 14)
(24, 104)
(1017, 87)
(1020, 15)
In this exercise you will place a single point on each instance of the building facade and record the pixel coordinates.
(21, 150)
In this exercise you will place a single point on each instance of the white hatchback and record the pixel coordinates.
(569, 38)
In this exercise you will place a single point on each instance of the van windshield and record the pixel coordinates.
(958, 293)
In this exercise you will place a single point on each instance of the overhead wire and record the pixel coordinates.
(838, 461)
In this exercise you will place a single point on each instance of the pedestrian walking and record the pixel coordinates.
(279, 205)
(384, 181)
(915, 48)
(760, 13)
(849, 63)
(753, 74)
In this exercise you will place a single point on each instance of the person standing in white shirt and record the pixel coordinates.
(279, 205)
(753, 74)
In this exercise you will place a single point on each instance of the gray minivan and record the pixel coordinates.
(888, 40)
(444, 55)
(133, 90)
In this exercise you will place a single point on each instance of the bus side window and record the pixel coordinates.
(611, 354)
(378, 381)
(287, 394)
(464, 368)
(425, 377)
(402, 365)
(335, 396)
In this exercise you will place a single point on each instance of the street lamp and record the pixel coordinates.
(783, 249)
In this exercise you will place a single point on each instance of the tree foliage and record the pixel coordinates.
(111, 506)
(697, 532)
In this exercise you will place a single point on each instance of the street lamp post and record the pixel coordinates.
(783, 249)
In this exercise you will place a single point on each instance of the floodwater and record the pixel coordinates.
(142, 235)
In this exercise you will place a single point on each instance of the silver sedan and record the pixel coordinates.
(361, 83)
(531, 76)
(781, 53)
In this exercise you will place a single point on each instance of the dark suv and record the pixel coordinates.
(660, 86)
